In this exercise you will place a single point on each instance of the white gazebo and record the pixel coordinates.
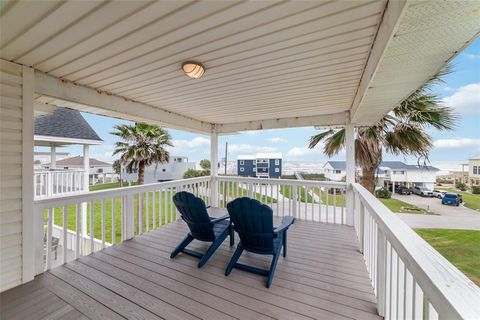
(263, 64)
(63, 127)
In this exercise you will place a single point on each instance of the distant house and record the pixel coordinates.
(173, 170)
(99, 170)
(474, 171)
(389, 174)
(261, 165)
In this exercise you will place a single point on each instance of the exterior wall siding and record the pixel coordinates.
(11, 125)
(248, 168)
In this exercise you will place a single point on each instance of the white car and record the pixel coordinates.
(438, 193)
(422, 191)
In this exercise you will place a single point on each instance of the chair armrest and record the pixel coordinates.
(215, 220)
(286, 222)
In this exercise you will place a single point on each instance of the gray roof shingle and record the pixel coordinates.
(65, 123)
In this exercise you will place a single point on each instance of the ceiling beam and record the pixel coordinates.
(114, 105)
(326, 120)
(394, 10)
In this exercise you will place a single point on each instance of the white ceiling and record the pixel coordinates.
(264, 59)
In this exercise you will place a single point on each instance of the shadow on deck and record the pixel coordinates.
(323, 277)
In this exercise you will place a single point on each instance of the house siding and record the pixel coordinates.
(248, 168)
(11, 124)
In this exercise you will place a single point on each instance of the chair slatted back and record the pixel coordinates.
(194, 212)
(253, 222)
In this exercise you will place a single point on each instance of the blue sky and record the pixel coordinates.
(461, 91)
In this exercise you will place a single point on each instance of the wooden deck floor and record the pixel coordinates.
(323, 277)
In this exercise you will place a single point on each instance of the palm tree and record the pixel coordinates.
(142, 145)
(401, 132)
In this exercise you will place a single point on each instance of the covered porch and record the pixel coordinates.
(323, 277)
(268, 65)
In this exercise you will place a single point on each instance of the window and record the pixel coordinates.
(242, 162)
(242, 169)
(338, 171)
(163, 170)
(262, 161)
(277, 162)
(398, 172)
(476, 170)
(277, 170)
(66, 168)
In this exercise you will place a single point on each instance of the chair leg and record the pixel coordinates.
(273, 265)
(234, 259)
(181, 246)
(211, 250)
(284, 244)
(232, 236)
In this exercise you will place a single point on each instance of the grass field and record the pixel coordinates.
(460, 247)
(403, 207)
(233, 189)
(471, 201)
(165, 211)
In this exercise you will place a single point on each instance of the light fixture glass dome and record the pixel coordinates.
(193, 69)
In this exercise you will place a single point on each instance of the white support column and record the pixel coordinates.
(86, 169)
(350, 178)
(214, 165)
(32, 222)
(53, 157)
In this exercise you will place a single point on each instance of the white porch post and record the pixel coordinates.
(350, 177)
(86, 169)
(53, 157)
(214, 166)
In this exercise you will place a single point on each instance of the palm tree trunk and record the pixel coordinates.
(368, 178)
(141, 172)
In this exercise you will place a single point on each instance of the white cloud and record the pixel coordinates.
(276, 140)
(103, 152)
(457, 143)
(297, 152)
(473, 57)
(194, 143)
(248, 148)
(466, 99)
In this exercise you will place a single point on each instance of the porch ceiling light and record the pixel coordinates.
(193, 69)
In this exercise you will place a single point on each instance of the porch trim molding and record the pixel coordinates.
(389, 24)
(116, 105)
(333, 119)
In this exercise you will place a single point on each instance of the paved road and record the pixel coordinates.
(450, 217)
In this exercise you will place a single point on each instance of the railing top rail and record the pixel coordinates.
(60, 200)
(330, 184)
(453, 295)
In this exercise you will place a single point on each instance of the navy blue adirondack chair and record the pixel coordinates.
(253, 221)
(202, 227)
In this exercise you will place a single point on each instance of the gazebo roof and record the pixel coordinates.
(64, 126)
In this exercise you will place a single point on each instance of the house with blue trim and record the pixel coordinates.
(389, 174)
(260, 165)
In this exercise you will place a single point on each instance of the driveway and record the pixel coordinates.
(449, 217)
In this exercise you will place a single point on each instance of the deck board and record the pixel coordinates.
(323, 277)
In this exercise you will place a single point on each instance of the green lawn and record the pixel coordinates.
(403, 207)
(336, 199)
(234, 189)
(460, 247)
(302, 196)
(471, 201)
(166, 214)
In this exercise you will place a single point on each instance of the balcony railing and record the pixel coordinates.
(49, 183)
(410, 279)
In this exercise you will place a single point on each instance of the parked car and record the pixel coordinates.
(452, 198)
(439, 193)
(403, 190)
(422, 191)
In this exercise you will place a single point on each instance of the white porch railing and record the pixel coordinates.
(319, 201)
(49, 183)
(411, 279)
